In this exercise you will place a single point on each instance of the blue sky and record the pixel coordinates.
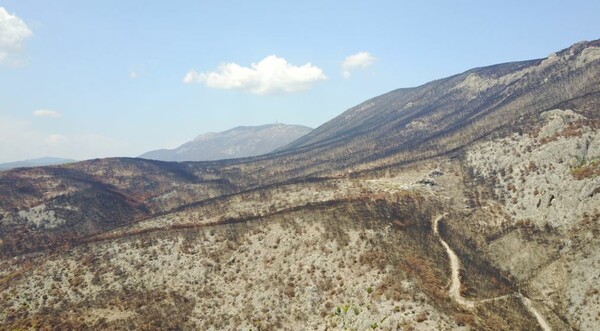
(83, 79)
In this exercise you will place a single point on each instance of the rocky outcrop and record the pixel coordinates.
(534, 174)
(550, 243)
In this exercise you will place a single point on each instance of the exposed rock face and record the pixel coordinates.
(534, 174)
(536, 177)
(334, 231)
(242, 141)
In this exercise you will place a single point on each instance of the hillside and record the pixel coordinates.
(468, 203)
(446, 114)
(242, 141)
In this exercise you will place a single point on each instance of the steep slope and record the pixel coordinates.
(547, 182)
(242, 141)
(441, 116)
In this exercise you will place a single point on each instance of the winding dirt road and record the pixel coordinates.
(454, 291)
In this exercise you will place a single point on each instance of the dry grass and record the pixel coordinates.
(586, 169)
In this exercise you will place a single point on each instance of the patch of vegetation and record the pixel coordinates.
(586, 169)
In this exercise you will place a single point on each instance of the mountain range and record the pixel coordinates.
(467, 203)
(241, 141)
(43, 161)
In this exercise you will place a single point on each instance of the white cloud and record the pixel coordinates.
(46, 113)
(271, 74)
(133, 74)
(361, 60)
(55, 139)
(13, 31)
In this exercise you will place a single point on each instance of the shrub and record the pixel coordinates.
(587, 169)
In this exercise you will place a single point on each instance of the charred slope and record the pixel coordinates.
(307, 263)
(48, 206)
(449, 113)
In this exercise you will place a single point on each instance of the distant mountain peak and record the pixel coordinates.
(240, 141)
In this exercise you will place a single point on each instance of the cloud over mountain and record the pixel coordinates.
(271, 75)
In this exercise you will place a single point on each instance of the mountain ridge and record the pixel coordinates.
(238, 142)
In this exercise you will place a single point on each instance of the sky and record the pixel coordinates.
(87, 79)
